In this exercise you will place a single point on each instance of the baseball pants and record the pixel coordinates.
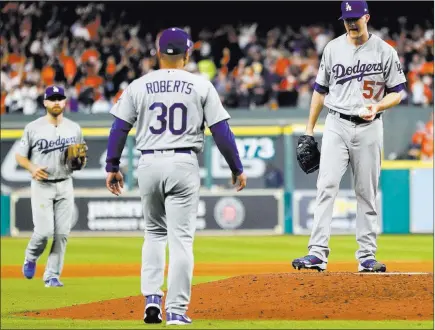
(52, 210)
(169, 185)
(359, 145)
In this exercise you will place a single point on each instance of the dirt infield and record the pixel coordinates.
(289, 296)
(211, 269)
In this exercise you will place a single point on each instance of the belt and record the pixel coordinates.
(177, 151)
(354, 119)
(54, 180)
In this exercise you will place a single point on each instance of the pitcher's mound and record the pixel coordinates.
(302, 296)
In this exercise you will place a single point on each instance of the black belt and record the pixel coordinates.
(54, 180)
(354, 119)
(177, 151)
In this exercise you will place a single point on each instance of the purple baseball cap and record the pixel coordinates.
(353, 9)
(174, 41)
(54, 91)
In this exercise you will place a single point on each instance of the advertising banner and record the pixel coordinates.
(343, 216)
(249, 210)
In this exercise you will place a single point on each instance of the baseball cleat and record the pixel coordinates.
(177, 319)
(53, 283)
(29, 269)
(309, 262)
(372, 266)
(153, 309)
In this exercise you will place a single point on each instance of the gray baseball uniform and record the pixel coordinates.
(52, 200)
(355, 76)
(171, 108)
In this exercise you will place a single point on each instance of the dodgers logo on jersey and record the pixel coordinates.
(399, 67)
(344, 74)
(46, 146)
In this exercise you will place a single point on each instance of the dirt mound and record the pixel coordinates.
(302, 296)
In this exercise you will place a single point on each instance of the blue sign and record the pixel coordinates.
(422, 199)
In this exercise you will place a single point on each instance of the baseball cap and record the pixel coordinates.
(174, 41)
(353, 9)
(54, 91)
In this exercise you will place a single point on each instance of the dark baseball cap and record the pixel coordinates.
(353, 9)
(54, 91)
(174, 41)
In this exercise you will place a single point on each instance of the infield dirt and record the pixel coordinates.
(274, 291)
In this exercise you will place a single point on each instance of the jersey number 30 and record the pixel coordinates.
(167, 118)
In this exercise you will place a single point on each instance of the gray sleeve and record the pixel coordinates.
(214, 111)
(124, 108)
(25, 143)
(324, 72)
(393, 72)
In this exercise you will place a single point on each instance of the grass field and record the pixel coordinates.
(19, 294)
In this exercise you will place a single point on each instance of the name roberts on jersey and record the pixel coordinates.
(169, 86)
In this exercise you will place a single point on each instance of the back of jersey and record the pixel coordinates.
(170, 107)
(173, 115)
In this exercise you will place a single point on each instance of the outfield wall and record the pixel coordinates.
(405, 202)
(402, 118)
(405, 205)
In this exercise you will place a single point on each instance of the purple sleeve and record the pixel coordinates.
(397, 89)
(115, 145)
(321, 89)
(224, 139)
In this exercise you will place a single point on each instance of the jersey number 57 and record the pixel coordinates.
(369, 90)
(167, 118)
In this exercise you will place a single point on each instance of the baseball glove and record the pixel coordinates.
(308, 154)
(76, 156)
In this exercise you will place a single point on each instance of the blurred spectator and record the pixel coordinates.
(421, 146)
(207, 68)
(417, 91)
(93, 52)
(29, 94)
(222, 85)
(101, 105)
(14, 100)
(86, 98)
(427, 142)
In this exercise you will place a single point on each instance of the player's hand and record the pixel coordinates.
(309, 132)
(372, 110)
(39, 173)
(115, 182)
(239, 181)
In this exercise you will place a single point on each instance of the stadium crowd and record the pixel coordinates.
(95, 55)
(421, 144)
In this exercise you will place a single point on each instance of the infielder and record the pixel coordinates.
(43, 152)
(359, 77)
(170, 107)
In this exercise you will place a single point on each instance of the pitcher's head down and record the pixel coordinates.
(355, 15)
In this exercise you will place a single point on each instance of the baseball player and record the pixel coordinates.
(170, 107)
(360, 76)
(42, 153)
